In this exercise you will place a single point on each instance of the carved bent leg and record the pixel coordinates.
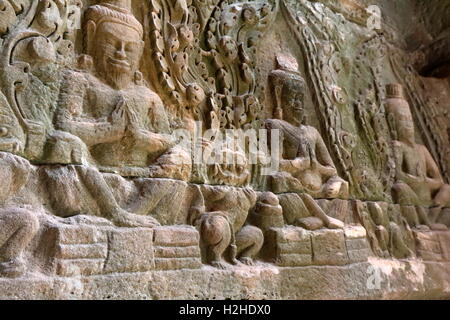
(442, 198)
(411, 215)
(418, 217)
(249, 241)
(440, 201)
(404, 195)
(216, 235)
(108, 205)
(317, 211)
(18, 227)
(426, 220)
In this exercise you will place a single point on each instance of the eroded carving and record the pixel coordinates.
(223, 228)
(105, 106)
(418, 180)
(18, 225)
(306, 165)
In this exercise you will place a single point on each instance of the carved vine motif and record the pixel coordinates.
(34, 33)
(366, 159)
(204, 52)
(370, 110)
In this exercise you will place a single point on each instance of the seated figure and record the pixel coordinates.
(418, 180)
(306, 166)
(109, 119)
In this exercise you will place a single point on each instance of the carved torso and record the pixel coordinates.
(89, 102)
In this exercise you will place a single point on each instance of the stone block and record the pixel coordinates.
(79, 267)
(358, 248)
(82, 251)
(288, 246)
(78, 234)
(329, 247)
(177, 247)
(293, 260)
(177, 252)
(177, 236)
(293, 207)
(178, 263)
(130, 250)
(444, 240)
(433, 245)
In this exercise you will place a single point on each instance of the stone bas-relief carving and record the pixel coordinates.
(99, 187)
(418, 180)
(220, 215)
(19, 225)
(306, 166)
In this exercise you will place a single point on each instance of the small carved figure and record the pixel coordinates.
(220, 214)
(233, 169)
(267, 212)
(17, 226)
(387, 232)
(418, 180)
(120, 120)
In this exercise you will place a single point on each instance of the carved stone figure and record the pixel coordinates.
(220, 214)
(232, 168)
(110, 118)
(267, 212)
(387, 230)
(138, 144)
(120, 120)
(418, 180)
(306, 166)
(18, 225)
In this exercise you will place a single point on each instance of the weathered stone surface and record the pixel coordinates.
(176, 248)
(130, 250)
(329, 247)
(433, 245)
(288, 247)
(400, 280)
(293, 207)
(358, 248)
(262, 149)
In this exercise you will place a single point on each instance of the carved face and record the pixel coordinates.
(405, 125)
(404, 122)
(117, 53)
(293, 109)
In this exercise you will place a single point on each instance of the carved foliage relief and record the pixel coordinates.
(93, 95)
